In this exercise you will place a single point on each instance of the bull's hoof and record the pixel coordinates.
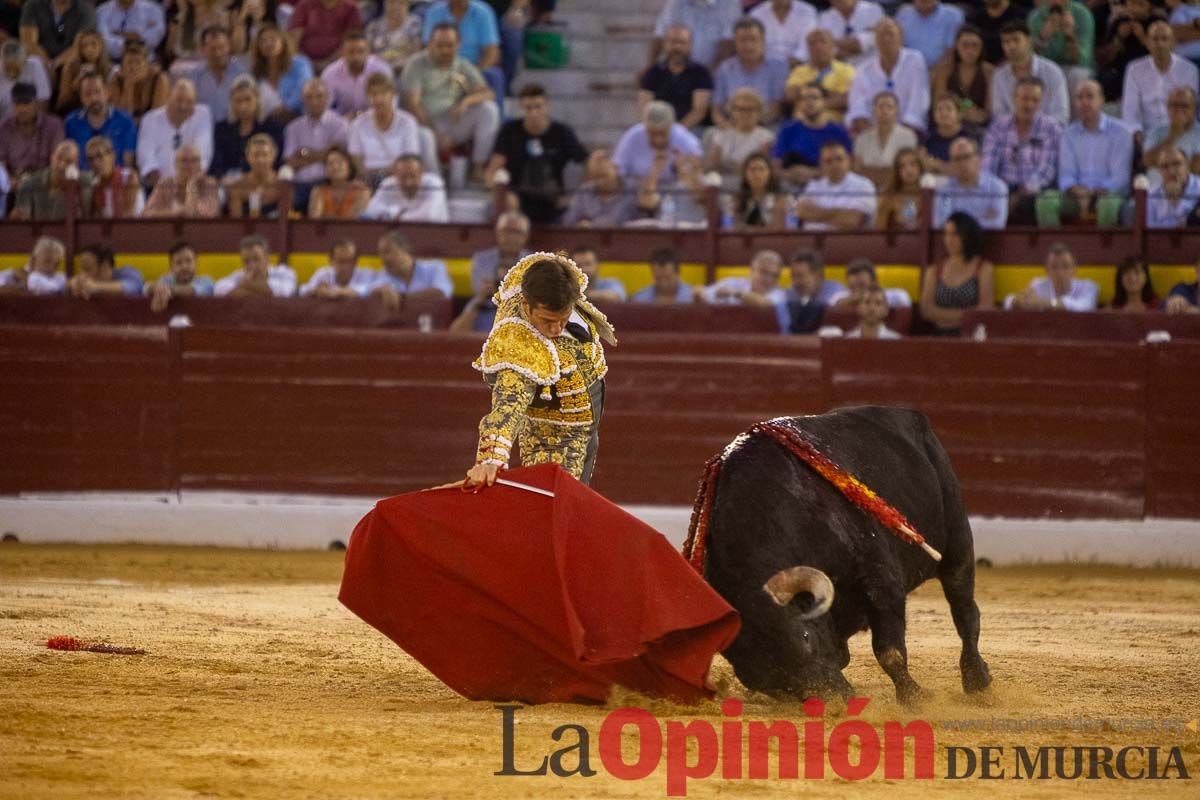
(911, 694)
(976, 677)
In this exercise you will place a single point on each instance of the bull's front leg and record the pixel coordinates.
(887, 640)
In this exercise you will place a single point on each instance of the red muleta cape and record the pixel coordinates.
(511, 595)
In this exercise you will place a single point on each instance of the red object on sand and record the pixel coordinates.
(511, 595)
(70, 643)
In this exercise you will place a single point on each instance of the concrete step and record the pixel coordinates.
(607, 109)
(598, 24)
(608, 54)
(574, 82)
(612, 8)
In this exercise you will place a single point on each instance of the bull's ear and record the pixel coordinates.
(787, 583)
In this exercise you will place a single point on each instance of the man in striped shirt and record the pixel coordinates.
(1022, 150)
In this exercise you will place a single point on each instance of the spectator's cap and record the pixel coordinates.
(658, 116)
(24, 93)
(12, 52)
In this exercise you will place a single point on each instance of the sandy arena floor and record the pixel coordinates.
(259, 684)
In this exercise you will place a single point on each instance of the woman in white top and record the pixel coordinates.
(875, 148)
(726, 149)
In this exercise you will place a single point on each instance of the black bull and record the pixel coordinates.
(772, 512)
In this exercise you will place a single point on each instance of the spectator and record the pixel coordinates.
(123, 21)
(42, 274)
(187, 191)
(749, 68)
(759, 202)
(1126, 40)
(657, 136)
(18, 67)
(667, 288)
(347, 77)
(1171, 203)
(797, 149)
(1022, 64)
(711, 23)
(1183, 297)
(98, 118)
(1022, 150)
(395, 36)
(761, 288)
(1094, 162)
(535, 151)
(245, 120)
(317, 27)
(98, 275)
(1150, 80)
(822, 70)
(852, 24)
(900, 204)
(342, 195)
(44, 194)
(930, 27)
(445, 92)
(138, 86)
(117, 192)
(307, 139)
(257, 191)
(180, 281)
(49, 27)
(839, 200)
(678, 80)
(165, 130)
(786, 24)
(193, 18)
(488, 267)
(257, 277)
(680, 201)
(1132, 290)
(804, 303)
(1181, 131)
(947, 127)
(478, 35)
(971, 190)
(215, 78)
(861, 278)
(86, 57)
(602, 200)
(281, 72)
(1059, 288)
(894, 69)
(407, 277)
(384, 134)
(599, 290)
(965, 76)
(1187, 31)
(872, 313)
(28, 135)
(1065, 33)
(962, 281)
(876, 147)
(409, 194)
(342, 278)
(989, 19)
(726, 149)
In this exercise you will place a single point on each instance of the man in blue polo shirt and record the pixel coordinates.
(405, 276)
(929, 28)
(98, 118)
(797, 150)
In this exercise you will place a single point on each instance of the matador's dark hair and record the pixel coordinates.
(551, 284)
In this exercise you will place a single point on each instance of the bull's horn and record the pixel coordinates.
(787, 583)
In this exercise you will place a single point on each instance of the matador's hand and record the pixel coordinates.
(482, 474)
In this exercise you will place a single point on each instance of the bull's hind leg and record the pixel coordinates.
(958, 584)
(887, 640)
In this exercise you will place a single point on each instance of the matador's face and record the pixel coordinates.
(548, 323)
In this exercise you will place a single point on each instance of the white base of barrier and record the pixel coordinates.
(309, 521)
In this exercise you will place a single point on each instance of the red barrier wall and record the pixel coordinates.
(1033, 428)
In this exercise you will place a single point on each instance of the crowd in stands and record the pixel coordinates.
(829, 115)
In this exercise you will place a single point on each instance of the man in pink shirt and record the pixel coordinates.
(317, 27)
(346, 78)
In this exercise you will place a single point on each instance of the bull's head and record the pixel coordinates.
(789, 645)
